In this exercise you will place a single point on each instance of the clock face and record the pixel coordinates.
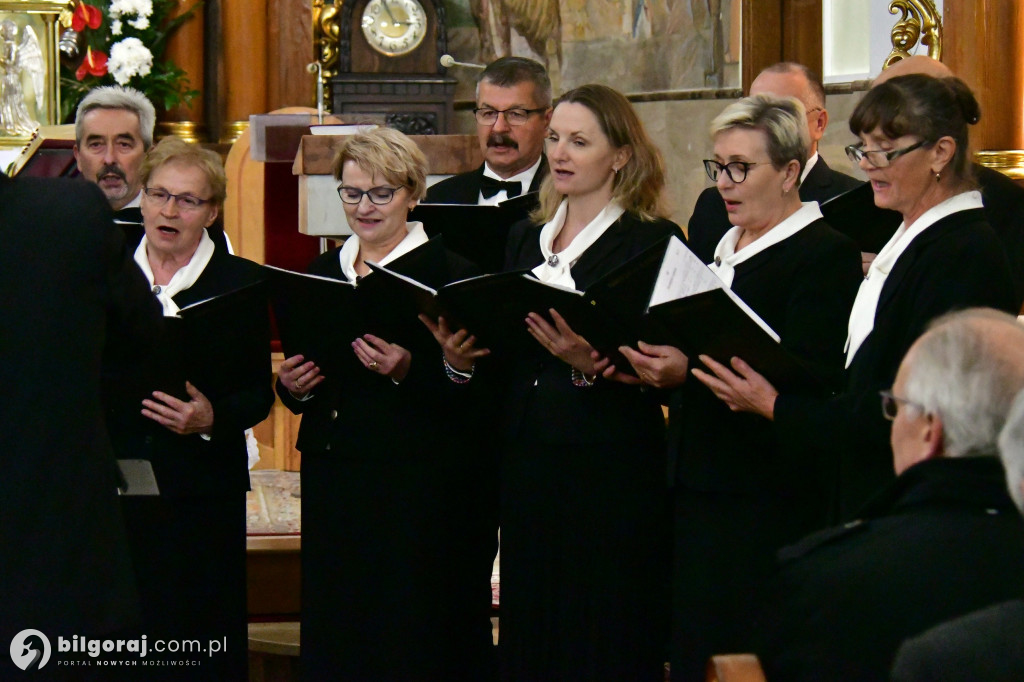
(394, 27)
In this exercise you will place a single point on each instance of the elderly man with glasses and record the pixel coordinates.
(818, 182)
(941, 540)
(513, 106)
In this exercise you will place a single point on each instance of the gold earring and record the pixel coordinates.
(938, 176)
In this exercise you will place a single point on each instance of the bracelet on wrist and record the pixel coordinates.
(457, 375)
(580, 380)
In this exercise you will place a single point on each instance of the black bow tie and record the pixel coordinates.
(490, 186)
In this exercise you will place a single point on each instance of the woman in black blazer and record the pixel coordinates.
(914, 148)
(391, 460)
(188, 543)
(738, 494)
(583, 506)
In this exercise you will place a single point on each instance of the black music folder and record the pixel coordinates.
(705, 317)
(319, 317)
(210, 343)
(477, 233)
(609, 314)
(854, 214)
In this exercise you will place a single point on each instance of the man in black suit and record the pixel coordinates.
(818, 182)
(1002, 197)
(513, 107)
(68, 287)
(942, 540)
(113, 131)
(986, 644)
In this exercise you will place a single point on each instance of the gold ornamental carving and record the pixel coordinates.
(920, 21)
(326, 40)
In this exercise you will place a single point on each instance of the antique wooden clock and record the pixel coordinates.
(385, 63)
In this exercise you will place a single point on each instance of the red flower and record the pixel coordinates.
(86, 15)
(94, 64)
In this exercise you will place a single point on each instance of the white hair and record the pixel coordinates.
(117, 97)
(966, 369)
(1011, 450)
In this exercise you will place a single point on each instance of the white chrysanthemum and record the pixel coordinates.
(140, 8)
(142, 23)
(129, 58)
(115, 27)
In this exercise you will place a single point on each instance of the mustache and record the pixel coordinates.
(501, 140)
(112, 169)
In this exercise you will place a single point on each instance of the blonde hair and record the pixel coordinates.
(637, 186)
(173, 149)
(781, 119)
(388, 153)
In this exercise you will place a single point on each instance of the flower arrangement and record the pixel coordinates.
(122, 42)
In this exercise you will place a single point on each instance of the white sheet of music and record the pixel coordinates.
(683, 274)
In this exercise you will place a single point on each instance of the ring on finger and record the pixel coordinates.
(374, 365)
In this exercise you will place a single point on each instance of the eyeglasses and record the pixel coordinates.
(878, 158)
(185, 202)
(376, 195)
(514, 117)
(736, 170)
(890, 404)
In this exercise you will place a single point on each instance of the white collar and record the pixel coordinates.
(556, 267)
(184, 278)
(726, 256)
(813, 159)
(862, 315)
(415, 237)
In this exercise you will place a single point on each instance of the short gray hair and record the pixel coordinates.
(966, 369)
(1011, 450)
(507, 72)
(117, 97)
(783, 121)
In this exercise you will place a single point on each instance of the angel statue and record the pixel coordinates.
(16, 58)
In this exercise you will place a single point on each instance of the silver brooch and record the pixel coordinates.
(718, 260)
(553, 260)
(157, 289)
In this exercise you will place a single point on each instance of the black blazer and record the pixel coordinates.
(710, 221)
(190, 465)
(541, 383)
(1004, 211)
(464, 188)
(942, 540)
(983, 645)
(956, 263)
(803, 287)
(68, 287)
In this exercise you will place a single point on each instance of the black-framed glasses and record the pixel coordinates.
(376, 195)
(185, 202)
(514, 117)
(736, 170)
(879, 158)
(890, 404)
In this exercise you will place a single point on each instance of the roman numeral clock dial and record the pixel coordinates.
(394, 27)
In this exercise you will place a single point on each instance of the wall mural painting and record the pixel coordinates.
(636, 45)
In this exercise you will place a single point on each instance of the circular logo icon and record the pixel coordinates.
(30, 649)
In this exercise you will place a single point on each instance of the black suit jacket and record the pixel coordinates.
(942, 540)
(67, 287)
(1004, 210)
(710, 221)
(983, 645)
(539, 383)
(190, 465)
(464, 188)
(956, 263)
(803, 287)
